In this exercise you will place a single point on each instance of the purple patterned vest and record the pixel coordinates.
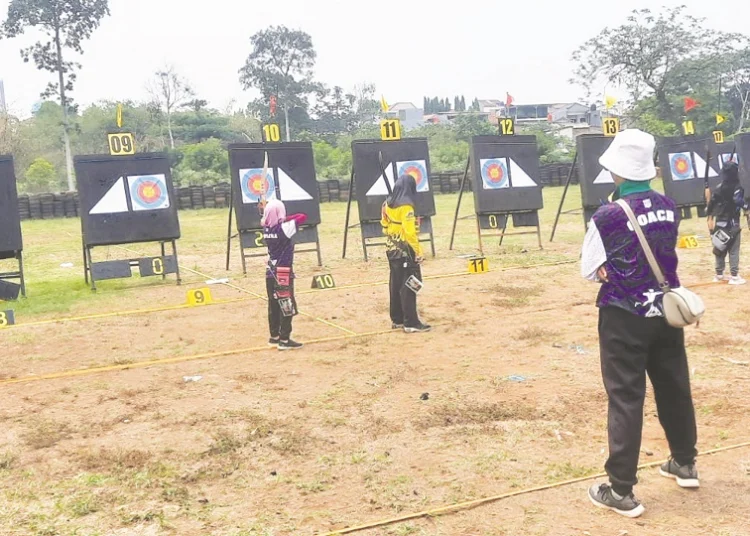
(631, 284)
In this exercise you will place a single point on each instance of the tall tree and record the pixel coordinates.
(280, 64)
(643, 55)
(169, 92)
(66, 24)
(456, 103)
(463, 103)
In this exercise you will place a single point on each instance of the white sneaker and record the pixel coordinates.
(718, 278)
(737, 280)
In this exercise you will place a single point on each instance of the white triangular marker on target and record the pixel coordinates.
(518, 177)
(113, 201)
(379, 188)
(290, 190)
(604, 177)
(700, 166)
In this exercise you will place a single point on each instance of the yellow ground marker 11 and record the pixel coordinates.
(7, 318)
(200, 296)
(688, 242)
(324, 281)
(478, 265)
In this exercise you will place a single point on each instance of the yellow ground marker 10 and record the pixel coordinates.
(688, 242)
(324, 281)
(478, 265)
(200, 296)
(7, 318)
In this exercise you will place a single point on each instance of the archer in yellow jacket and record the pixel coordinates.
(399, 221)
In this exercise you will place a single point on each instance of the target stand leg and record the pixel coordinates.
(505, 227)
(539, 232)
(91, 273)
(176, 261)
(163, 254)
(21, 273)
(85, 263)
(479, 236)
(317, 247)
(364, 243)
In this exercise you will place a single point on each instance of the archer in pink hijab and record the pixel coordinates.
(278, 232)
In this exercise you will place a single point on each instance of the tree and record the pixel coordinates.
(169, 92)
(203, 163)
(281, 65)
(39, 177)
(66, 24)
(644, 55)
(463, 103)
(456, 104)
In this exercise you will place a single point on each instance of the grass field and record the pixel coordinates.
(100, 434)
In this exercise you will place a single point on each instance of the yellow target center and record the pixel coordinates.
(494, 173)
(149, 191)
(257, 185)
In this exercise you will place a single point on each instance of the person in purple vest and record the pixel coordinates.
(634, 338)
(278, 232)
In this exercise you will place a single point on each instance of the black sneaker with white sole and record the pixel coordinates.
(601, 496)
(685, 475)
(273, 342)
(289, 345)
(421, 328)
(396, 326)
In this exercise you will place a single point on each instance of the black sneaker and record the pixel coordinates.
(601, 496)
(421, 328)
(396, 326)
(685, 475)
(289, 345)
(273, 342)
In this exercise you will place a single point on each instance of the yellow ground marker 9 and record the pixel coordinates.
(200, 296)
(688, 242)
(479, 265)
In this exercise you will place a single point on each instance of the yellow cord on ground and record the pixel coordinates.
(478, 502)
(120, 313)
(179, 359)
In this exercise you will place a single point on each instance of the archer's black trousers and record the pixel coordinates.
(278, 324)
(631, 347)
(403, 300)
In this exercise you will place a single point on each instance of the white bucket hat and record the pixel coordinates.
(631, 156)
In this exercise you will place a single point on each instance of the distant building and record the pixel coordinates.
(3, 107)
(409, 115)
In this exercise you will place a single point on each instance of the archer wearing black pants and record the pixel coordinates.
(399, 223)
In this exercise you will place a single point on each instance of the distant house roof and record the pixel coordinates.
(397, 106)
(490, 103)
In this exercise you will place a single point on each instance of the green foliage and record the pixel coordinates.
(39, 177)
(202, 163)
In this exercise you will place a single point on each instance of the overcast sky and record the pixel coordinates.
(408, 48)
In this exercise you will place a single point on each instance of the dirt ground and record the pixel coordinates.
(504, 394)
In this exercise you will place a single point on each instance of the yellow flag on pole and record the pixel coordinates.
(383, 104)
(609, 102)
(720, 119)
(119, 116)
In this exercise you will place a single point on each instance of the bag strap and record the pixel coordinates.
(644, 245)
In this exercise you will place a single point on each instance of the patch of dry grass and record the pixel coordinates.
(535, 334)
(44, 433)
(475, 413)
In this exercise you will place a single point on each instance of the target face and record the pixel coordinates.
(494, 173)
(729, 157)
(148, 192)
(256, 187)
(418, 170)
(681, 166)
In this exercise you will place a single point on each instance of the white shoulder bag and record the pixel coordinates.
(682, 307)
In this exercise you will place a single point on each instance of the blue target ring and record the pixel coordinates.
(148, 192)
(681, 166)
(495, 174)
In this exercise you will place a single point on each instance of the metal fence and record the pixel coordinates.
(49, 206)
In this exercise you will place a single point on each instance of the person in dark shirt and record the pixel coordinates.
(724, 215)
(278, 232)
(634, 338)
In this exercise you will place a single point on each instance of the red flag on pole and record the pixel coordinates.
(508, 100)
(690, 103)
(273, 105)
